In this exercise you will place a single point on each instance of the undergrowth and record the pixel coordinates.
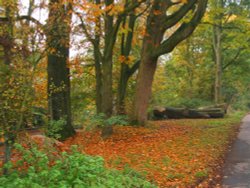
(76, 170)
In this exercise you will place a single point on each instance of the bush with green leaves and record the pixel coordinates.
(100, 120)
(55, 126)
(70, 170)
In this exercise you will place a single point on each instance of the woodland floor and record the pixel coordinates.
(171, 153)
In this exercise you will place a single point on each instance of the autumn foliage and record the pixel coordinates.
(173, 153)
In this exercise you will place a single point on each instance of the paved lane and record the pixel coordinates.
(237, 166)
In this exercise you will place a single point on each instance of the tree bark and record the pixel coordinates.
(218, 67)
(98, 78)
(107, 90)
(217, 49)
(98, 66)
(7, 40)
(122, 87)
(143, 89)
(58, 38)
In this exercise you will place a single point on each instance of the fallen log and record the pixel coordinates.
(214, 112)
(222, 106)
(180, 113)
(197, 114)
(159, 113)
(176, 113)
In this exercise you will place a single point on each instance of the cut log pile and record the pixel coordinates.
(179, 113)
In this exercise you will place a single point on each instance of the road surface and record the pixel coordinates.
(236, 173)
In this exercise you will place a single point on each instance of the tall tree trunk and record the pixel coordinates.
(98, 78)
(58, 38)
(107, 91)
(217, 48)
(218, 64)
(98, 67)
(107, 64)
(122, 87)
(7, 41)
(143, 89)
(9, 139)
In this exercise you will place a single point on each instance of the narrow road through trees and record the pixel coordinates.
(237, 166)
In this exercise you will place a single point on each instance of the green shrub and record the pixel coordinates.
(54, 127)
(100, 120)
(70, 170)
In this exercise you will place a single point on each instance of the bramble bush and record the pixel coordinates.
(73, 169)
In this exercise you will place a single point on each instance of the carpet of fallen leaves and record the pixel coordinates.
(172, 153)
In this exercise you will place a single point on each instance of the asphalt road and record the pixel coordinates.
(236, 173)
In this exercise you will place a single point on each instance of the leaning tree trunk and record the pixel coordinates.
(58, 70)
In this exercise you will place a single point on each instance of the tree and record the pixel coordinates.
(17, 73)
(227, 23)
(217, 48)
(155, 45)
(192, 68)
(127, 47)
(58, 38)
(6, 38)
(103, 21)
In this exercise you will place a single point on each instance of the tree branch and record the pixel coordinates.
(173, 19)
(235, 57)
(23, 17)
(134, 68)
(182, 32)
(132, 6)
(84, 27)
(223, 27)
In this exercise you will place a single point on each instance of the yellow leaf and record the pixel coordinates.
(184, 1)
